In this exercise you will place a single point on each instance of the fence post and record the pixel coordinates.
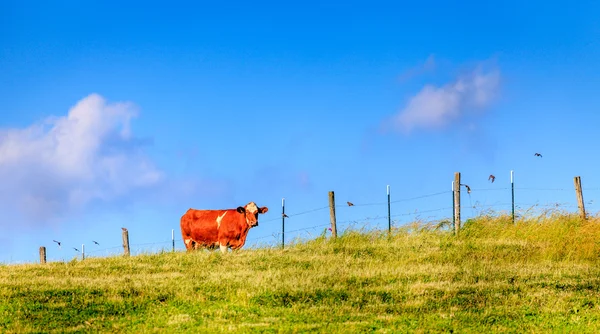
(389, 210)
(82, 251)
(512, 187)
(282, 223)
(173, 240)
(42, 254)
(579, 192)
(125, 241)
(332, 214)
(456, 203)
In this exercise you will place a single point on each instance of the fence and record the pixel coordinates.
(451, 214)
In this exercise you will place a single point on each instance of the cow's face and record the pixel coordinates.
(251, 212)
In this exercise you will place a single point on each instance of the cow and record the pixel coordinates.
(226, 228)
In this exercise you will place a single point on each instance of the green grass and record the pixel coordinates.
(539, 275)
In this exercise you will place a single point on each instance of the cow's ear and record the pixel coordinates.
(263, 209)
(241, 209)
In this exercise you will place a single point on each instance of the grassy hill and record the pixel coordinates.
(540, 275)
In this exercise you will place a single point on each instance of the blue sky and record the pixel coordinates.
(127, 115)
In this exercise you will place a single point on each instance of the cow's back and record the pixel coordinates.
(200, 226)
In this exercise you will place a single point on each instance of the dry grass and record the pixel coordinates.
(538, 275)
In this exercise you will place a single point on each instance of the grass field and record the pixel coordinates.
(539, 275)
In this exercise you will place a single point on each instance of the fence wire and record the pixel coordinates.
(521, 209)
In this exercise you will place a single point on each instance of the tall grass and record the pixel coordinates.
(538, 275)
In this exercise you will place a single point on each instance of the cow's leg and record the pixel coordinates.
(223, 248)
(189, 244)
(240, 243)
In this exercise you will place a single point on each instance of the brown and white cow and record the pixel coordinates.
(219, 228)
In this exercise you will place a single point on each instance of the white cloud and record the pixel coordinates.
(427, 66)
(435, 107)
(59, 165)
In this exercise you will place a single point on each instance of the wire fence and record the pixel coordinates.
(316, 222)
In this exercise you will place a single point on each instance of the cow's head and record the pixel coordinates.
(251, 212)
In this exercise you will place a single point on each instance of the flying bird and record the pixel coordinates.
(58, 242)
(96, 242)
(468, 188)
(538, 155)
(77, 250)
(350, 204)
(492, 177)
(285, 216)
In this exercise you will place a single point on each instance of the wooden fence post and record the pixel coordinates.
(456, 203)
(125, 241)
(42, 254)
(332, 214)
(579, 192)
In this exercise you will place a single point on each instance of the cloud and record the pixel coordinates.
(428, 65)
(59, 165)
(436, 107)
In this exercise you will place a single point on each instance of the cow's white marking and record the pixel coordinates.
(188, 241)
(219, 218)
(252, 207)
(223, 248)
